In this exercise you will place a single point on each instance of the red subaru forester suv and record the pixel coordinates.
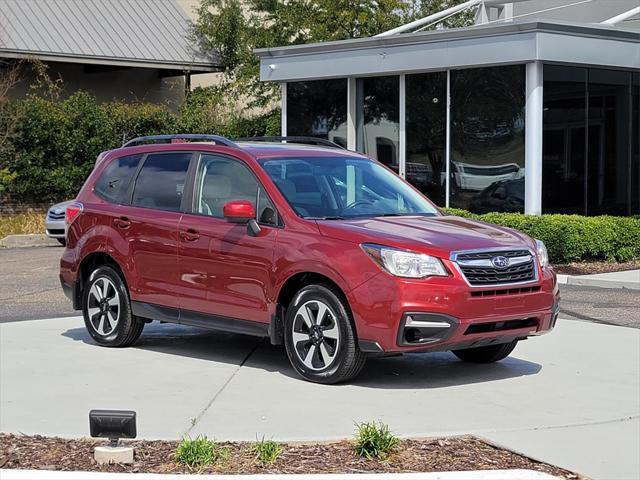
(314, 246)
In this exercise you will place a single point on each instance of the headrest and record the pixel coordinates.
(216, 186)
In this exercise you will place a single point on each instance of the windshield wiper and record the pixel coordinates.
(331, 217)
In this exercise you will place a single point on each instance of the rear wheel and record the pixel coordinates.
(488, 354)
(320, 338)
(107, 311)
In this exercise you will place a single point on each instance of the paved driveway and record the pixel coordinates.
(571, 397)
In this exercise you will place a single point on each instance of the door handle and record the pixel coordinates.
(122, 222)
(190, 235)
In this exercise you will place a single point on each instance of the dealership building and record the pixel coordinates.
(534, 109)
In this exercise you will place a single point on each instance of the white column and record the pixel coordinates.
(447, 143)
(351, 114)
(402, 131)
(283, 109)
(533, 140)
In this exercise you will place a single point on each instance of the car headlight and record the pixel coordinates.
(403, 263)
(541, 251)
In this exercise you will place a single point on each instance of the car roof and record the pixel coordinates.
(258, 150)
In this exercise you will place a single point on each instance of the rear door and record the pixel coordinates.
(224, 272)
(149, 226)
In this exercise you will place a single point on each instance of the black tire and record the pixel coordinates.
(348, 360)
(127, 328)
(62, 241)
(488, 354)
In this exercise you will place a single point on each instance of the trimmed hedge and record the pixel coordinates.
(54, 143)
(571, 238)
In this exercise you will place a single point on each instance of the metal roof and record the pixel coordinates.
(136, 33)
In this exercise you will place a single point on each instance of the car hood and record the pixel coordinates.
(433, 235)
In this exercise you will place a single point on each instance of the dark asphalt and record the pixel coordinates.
(30, 289)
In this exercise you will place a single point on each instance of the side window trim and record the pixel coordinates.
(143, 161)
(193, 210)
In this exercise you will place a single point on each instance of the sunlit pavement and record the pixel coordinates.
(571, 398)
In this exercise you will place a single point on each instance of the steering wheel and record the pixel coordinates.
(357, 203)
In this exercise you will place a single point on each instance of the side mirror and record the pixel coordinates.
(242, 211)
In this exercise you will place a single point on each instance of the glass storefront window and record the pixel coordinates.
(589, 164)
(426, 117)
(318, 109)
(377, 114)
(487, 139)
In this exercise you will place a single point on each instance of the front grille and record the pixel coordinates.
(508, 291)
(56, 216)
(501, 326)
(478, 269)
(489, 255)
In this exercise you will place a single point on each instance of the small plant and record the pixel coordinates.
(266, 451)
(374, 440)
(200, 453)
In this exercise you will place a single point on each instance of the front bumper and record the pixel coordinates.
(443, 313)
(55, 228)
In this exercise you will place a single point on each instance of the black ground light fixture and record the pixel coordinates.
(114, 425)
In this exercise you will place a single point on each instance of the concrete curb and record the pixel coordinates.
(33, 240)
(7, 474)
(585, 281)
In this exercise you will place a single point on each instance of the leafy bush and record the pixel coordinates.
(54, 143)
(374, 440)
(200, 453)
(266, 451)
(571, 238)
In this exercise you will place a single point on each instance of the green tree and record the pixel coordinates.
(234, 28)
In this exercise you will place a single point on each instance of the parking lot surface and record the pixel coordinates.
(571, 397)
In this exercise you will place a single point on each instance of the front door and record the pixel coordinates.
(225, 272)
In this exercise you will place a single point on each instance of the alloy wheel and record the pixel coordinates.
(316, 335)
(103, 307)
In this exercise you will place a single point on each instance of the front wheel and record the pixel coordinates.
(107, 311)
(488, 354)
(319, 336)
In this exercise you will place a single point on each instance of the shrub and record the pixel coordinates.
(374, 440)
(571, 238)
(200, 452)
(54, 143)
(266, 451)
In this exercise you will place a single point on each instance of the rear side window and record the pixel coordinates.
(160, 183)
(114, 182)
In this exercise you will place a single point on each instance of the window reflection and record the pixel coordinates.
(426, 107)
(318, 109)
(378, 108)
(487, 139)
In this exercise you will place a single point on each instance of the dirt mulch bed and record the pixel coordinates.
(445, 454)
(587, 268)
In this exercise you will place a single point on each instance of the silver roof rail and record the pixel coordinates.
(218, 139)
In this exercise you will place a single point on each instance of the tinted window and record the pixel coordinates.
(487, 134)
(221, 180)
(115, 179)
(318, 108)
(160, 183)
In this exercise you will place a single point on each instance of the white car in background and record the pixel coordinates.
(55, 224)
(476, 178)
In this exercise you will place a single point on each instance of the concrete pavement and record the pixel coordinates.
(626, 279)
(571, 398)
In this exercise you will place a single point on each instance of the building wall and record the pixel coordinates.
(593, 12)
(128, 84)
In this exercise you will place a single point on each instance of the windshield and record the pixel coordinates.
(343, 187)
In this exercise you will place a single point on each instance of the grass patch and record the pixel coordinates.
(266, 451)
(21, 224)
(374, 440)
(200, 453)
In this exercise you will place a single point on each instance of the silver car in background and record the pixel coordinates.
(55, 224)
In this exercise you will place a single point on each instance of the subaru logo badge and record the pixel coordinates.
(500, 262)
(57, 211)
